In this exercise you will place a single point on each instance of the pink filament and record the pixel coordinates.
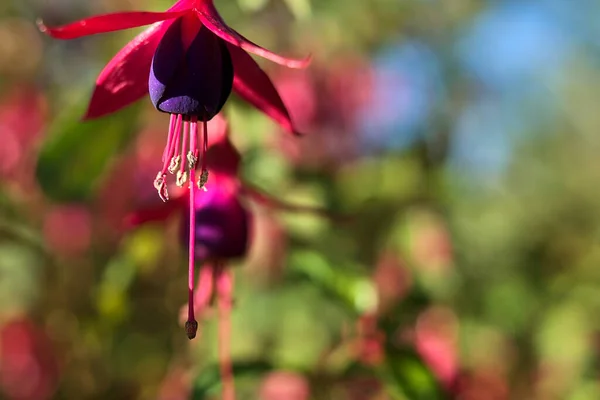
(171, 142)
(186, 129)
(204, 144)
(169, 136)
(192, 240)
(194, 136)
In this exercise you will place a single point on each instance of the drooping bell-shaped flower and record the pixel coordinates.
(189, 61)
(201, 30)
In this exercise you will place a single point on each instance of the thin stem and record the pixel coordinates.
(192, 324)
(192, 255)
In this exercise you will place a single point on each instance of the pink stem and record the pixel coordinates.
(192, 324)
(225, 289)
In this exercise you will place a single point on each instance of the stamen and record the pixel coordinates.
(171, 128)
(204, 174)
(172, 140)
(160, 185)
(181, 178)
(192, 160)
(177, 143)
(194, 140)
(184, 142)
(192, 157)
(174, 163)
(203, 180)
(170, 161)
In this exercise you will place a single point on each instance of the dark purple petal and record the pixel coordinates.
(193, 81)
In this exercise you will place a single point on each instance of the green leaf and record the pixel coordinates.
(407, 376)
(354, 291)
(76, 153)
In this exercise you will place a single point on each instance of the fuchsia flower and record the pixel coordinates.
(189, 61)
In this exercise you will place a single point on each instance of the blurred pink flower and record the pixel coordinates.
(22, 119)
(29, 369)
(67, 229)
(282, 385)
(436, 336)
(323, 103)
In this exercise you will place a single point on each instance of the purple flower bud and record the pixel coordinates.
(195, 81)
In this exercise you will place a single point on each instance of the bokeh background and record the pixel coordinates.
(454, 143)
